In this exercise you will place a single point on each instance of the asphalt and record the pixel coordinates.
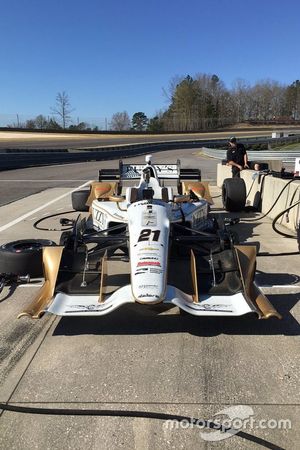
(19, 140)
(17, 184)
(135, 359)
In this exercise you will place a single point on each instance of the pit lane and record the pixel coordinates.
(134, 358)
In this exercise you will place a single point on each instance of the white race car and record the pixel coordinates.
(149, 239)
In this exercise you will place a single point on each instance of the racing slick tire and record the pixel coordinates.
(79, 199)
(23, 257)
(234, 194)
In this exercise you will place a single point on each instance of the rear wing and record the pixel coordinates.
(164, 172)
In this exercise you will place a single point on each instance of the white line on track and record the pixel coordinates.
(30, 213)
(280, 286)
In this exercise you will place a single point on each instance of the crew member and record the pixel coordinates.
(236, 157)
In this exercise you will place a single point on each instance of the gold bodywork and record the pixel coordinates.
(103, 278)
(194, 278)
(100, 190)
(199, 188)
(246, 257)
(51, 262)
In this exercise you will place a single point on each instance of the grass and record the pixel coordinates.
(295, 146)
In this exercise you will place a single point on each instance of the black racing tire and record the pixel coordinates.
(23, 257)
(234, 194)
(79, 199)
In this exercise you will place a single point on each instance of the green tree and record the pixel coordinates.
(139, 121)
(155, 125)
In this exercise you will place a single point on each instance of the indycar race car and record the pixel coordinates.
(149, 238)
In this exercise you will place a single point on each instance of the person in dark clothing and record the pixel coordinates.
(236, 157)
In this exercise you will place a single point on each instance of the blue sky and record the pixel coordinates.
(119, 55)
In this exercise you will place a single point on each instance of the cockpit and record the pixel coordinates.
(149, 186)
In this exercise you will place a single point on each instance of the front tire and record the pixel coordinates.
(23, 257)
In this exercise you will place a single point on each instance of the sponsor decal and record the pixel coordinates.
(149, 257)
(148, 295)
(155, 270)
(144, 202)
(214, 308)
(149, 218)
(87, 308)
(147, 286)
(100, 218)
(199, 217)
(148, 263)
(118, 215)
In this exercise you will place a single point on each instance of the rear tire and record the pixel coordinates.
(234, 194)
(79, 199)
(23, 257)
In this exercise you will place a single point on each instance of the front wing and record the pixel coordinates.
(76, 305)
(248, 300)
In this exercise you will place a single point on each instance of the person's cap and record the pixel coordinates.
(232, 139)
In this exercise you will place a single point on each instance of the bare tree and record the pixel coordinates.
(120, 121)
(41, 122)
(63, 109)
(241, 100)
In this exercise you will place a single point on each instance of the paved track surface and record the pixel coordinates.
(56, 141)
(138, 360)
(16, 184)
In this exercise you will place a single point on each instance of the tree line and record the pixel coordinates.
(204, 103)
(196, 103)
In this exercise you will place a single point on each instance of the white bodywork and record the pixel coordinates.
(148, 229)
(88, 305)
(149, 226)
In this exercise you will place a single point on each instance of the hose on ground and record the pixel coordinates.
(36, 224)
(201, 423)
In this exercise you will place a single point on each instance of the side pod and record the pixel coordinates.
(51, 262)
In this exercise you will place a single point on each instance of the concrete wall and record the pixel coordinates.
(262, 191)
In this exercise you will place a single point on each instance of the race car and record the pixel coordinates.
(147, 236)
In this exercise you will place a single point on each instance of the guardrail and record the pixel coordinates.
(260, 155)
(19, 158)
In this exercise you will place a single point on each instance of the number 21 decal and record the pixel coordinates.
(145, 235)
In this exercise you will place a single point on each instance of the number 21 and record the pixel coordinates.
(145, 235)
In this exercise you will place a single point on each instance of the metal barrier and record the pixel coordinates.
(286, 156)
(19, 158)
